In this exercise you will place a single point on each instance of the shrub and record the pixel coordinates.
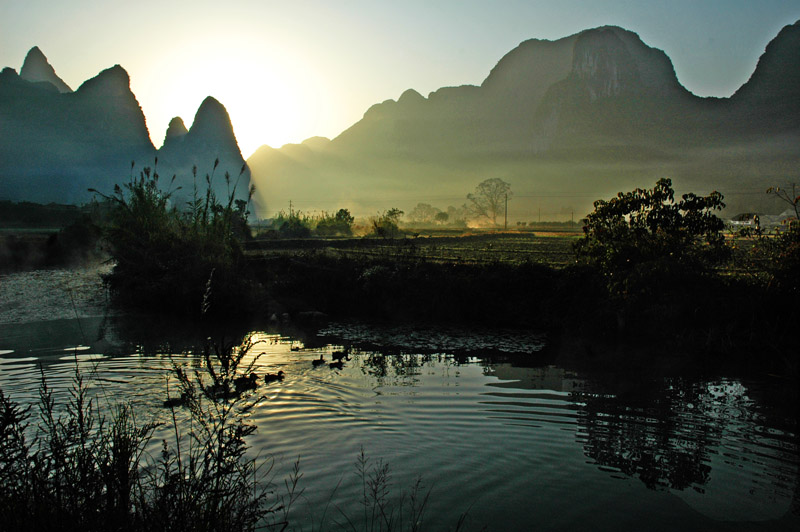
(339, 224)
(646, 231)
(385, 225)
(187, 262)
(293, 225)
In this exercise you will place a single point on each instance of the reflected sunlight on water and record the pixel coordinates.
(517, 444)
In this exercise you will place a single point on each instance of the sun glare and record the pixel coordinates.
(271, 98)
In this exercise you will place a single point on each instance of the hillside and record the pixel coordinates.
(565, 122)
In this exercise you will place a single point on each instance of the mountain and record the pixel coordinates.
(210, 138)
(55, 144)
(36, 68)
(565, 122)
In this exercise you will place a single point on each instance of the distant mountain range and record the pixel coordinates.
(565, 122)
(55, 144)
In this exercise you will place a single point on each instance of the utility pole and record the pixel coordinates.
(290, 209)
(505, 222)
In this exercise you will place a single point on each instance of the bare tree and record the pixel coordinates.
(789, 196)
(489, 199)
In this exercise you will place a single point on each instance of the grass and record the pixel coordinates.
(80, 467)
(184, 261)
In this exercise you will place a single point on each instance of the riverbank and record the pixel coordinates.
(51, 294)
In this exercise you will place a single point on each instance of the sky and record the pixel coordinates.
(290, 70)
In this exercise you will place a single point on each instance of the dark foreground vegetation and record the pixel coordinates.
(182, 259)
(650, 270)
(89, 465)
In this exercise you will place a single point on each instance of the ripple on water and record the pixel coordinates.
(516, 444)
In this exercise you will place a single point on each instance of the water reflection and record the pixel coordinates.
(675, 434)
(493, 428)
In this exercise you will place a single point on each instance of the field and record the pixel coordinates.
(552, 249)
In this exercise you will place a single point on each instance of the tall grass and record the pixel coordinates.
(77, 468)
(184, 259)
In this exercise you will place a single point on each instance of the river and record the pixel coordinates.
(495, 429)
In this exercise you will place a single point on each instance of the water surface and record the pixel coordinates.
(492, 428)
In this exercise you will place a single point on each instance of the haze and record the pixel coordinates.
(290, 71)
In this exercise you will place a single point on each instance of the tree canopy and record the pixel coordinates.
(488, 200)
(638, 229)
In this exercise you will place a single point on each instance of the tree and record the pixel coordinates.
(643, 232)
(489, 199)
(791, 197)
(442, 217)
(423, 213)
(340, 223)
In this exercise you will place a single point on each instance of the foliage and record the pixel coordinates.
(489, 198)
(643, 233)
(339, 224)
(385, 225)
(75, 243)
(423, 213)
(187, 261)
(778, 254)
(792, 197)
(292, 225)
(441, 217)
(381, 511)
(298, 224)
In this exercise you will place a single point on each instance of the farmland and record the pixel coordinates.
(551, 249)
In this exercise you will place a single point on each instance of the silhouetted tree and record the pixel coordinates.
(340, 223)
(423, 213)
(647, 231)
(489, 199)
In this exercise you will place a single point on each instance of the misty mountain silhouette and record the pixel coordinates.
(36, 68)
(565, 122)
(209, 138)
(56, 144)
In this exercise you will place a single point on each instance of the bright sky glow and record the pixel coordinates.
(287, 71)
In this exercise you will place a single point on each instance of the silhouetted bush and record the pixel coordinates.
(644, 236)
(75, 244)
(339, 224)
(188, 262)
(385, 225)
(292, 225)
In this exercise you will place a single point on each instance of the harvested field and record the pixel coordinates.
(552, 249)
